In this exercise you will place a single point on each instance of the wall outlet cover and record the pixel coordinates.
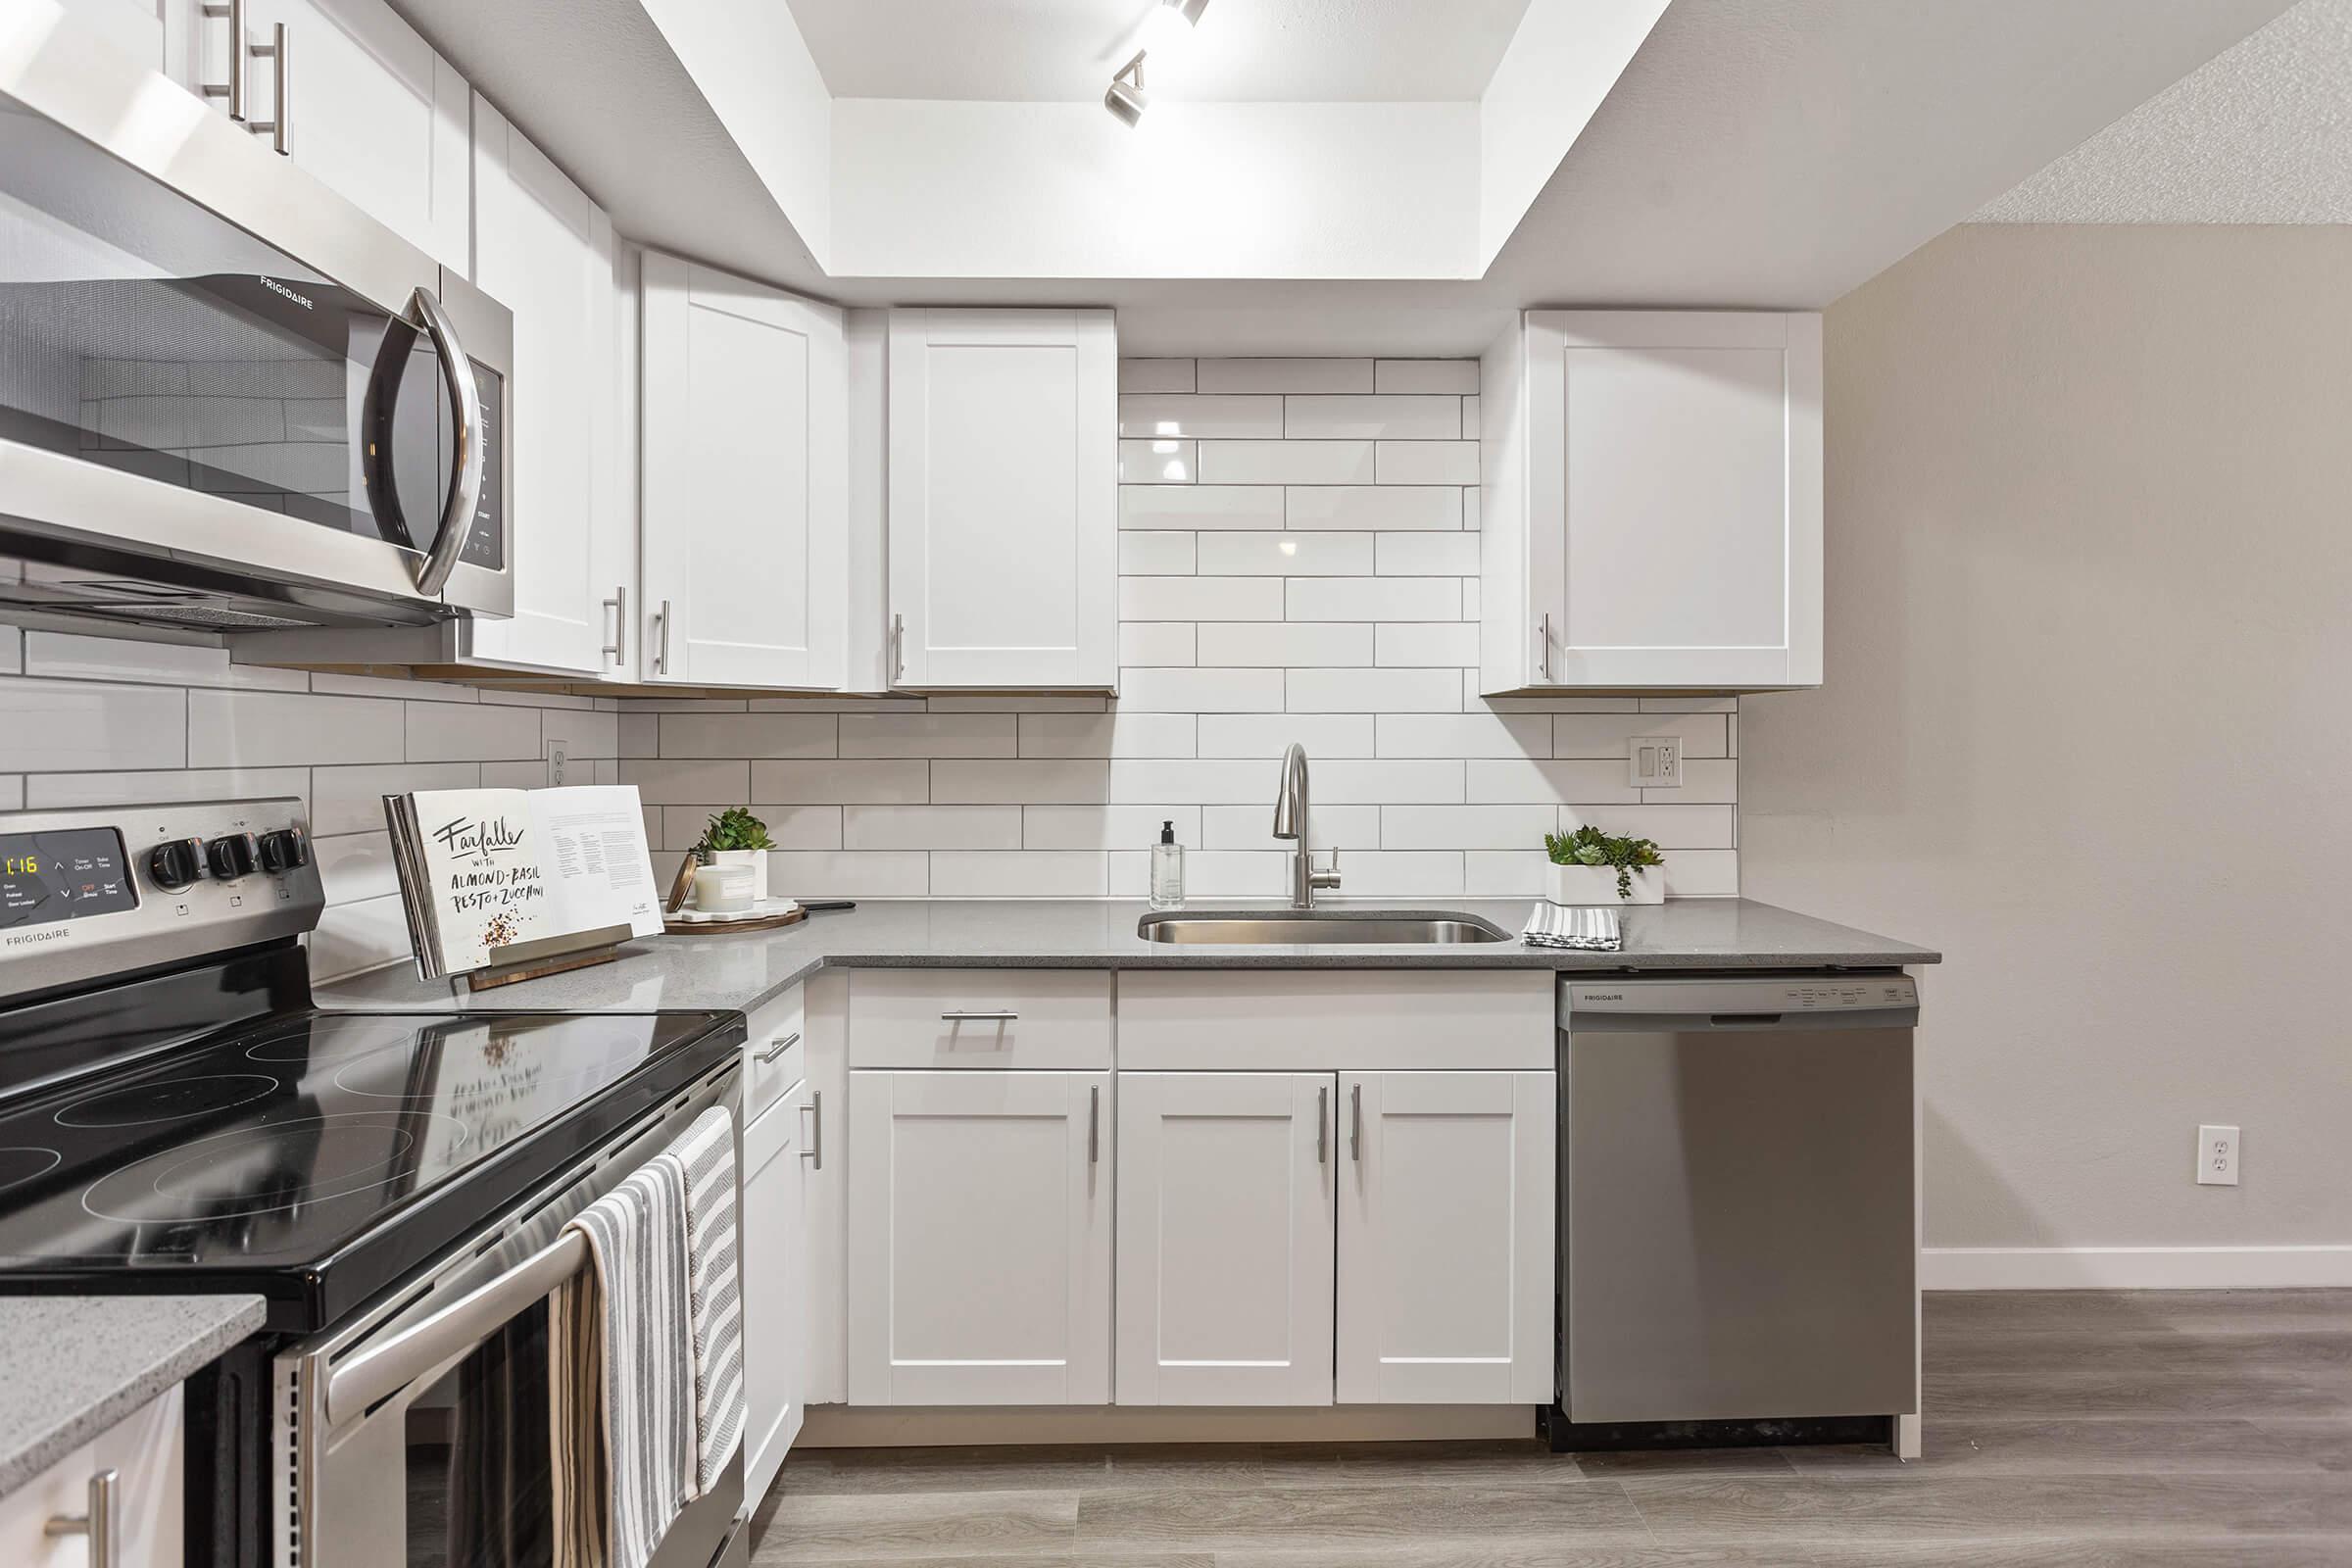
(2216, 1156)
(555, 766)
(1657, 761)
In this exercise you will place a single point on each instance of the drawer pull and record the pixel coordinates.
(1323, 1125)
(777, 1047)
(102, 1524)
(1355, 1129)
(814, 1150)
(979, 1017)
(1094, 1124)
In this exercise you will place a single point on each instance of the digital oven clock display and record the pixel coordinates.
(68, 875)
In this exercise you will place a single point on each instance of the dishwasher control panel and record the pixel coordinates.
(1765, 997)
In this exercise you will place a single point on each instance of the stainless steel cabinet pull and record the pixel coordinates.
(1323, 1125)
(777, 1047)
(1356, 1130)
(814, 1153)
(233, 89)
(1094, 1124)
(103, 1524)
(279, 126)
(465, 401)
(662, 650)
(978, 1017)
(618, 604)
(1543, 645)
(897, 647)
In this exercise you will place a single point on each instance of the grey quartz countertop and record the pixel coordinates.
(77, 1364)
(697, 971)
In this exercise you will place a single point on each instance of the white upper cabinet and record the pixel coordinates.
(1446, 1245)
(1225, 1238)
(543, 247)
(979, 1238)
(1004, 499)
(1651, 502)
(745, 483)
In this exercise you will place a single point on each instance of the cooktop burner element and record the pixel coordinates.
(21, 1165)
(171, 1100)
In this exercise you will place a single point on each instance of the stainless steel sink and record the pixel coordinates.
(1319, 927)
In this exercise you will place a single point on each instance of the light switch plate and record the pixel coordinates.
(1657, 761)
(2216, 1156)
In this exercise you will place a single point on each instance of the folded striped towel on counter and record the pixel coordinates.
(706, 1157)
(1588, 928)
(620, 1357)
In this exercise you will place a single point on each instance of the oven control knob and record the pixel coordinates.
(232, 855)
(174, 865)
(286, 850)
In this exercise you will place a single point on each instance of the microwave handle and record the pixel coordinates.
(466, 398)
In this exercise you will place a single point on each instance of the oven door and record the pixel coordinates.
(416, 1435)
(219, 382)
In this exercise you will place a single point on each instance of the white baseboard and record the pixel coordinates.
(2132, 1268)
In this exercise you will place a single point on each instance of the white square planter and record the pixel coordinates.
(1597, 884)
(757, 859)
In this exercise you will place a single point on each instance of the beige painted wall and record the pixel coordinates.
(2087, 724)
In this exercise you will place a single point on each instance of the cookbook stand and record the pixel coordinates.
(546, 956)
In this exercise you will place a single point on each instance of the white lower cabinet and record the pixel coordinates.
(1225, 1238)
(145, 1451)
(774, 1287)
(979, 1238)
(1446, 1219)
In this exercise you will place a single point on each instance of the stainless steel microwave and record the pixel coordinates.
(230, 400)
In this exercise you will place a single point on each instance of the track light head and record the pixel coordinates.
(1126, 98)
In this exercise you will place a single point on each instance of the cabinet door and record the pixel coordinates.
(1004, 497)
(1447, 1198)
(979, 1238)
(1225, 1238)
(825, 1195)
(145, 1451)
(373, 112)
(1674, 498)
(775, 1260)
(543, 246)
(746, 507)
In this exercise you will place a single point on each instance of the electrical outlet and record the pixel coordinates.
(1657, 761)
(2216, 1156)
(554, 764)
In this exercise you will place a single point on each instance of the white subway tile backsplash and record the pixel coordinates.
(1374, 507)
(1196, 782)
(1207, 690)
(67, 656)
(1466, 827)
(1324, 735)
(1427, 463)
(930, 734)
(1470, 508)
(1126, 733)
(1026, 874)
(1201, 599)
(1285, 642)
(1251, 827)
(789, 827)
(356, 865)
(1703, 874)
(1146, 414)
(242, 729)
(1043, 781)
(1156, 642)
(1706, 781)
(1402, 874)
(1427, 554)
(351, 800)
(1235, 874)
(848, 873)
(1373, 691)
(1613, 734)
(1464, 735)
(1392, 416)
(684, 781)
(1106, 828)
(11, 792)
(1373, 599)
(931, 827)
(1428, 642)
(1157, 552)
(1287, 462)
(1155, 375)
(1503, 874)
(1284, 375)
(1161, 461)
(55, 791)
(62, 725)
(12, 649)
(1201, 505)
(1470, 416)
(748, 735)
(1425, 375)
(792, 783)
(1672, 827)
(1286, 555)
(1506, 780)
(453, 732)
(1428, 782)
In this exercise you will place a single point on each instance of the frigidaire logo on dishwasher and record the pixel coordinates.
(276, 287)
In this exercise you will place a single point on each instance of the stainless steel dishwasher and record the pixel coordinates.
(1737, 1239)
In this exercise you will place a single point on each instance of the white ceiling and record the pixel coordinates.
(2262, 134)
(1053, 51)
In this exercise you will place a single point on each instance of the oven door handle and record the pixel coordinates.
(465, 484)
(385, 1368)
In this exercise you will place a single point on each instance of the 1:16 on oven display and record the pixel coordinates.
(20, 866)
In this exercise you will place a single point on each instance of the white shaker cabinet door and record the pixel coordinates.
(775, 1290)
(1447, 1205)
(372, 110)
(980, 1225)
(1004, 499)
(1225, 1238)
(543, 247)
(745, 482)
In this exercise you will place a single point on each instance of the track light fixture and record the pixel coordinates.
(1126, 98)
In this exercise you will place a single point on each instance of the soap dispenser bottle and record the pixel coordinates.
(1167, 869)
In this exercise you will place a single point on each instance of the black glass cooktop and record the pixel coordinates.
(315, 1158)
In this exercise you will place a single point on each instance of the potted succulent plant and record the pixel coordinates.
(735, 837)
(1590, 866)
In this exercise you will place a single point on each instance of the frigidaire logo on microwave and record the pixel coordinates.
(276, 287)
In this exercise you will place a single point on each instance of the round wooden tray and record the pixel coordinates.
(748, 923)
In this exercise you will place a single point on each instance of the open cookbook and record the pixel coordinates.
(485, 872)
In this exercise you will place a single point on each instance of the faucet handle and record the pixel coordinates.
(1323, 879)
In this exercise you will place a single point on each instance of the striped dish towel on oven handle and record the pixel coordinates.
(705, 1156)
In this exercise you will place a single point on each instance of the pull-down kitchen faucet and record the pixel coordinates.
(1290, 822)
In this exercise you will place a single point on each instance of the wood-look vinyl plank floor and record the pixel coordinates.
(2064, 1430)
